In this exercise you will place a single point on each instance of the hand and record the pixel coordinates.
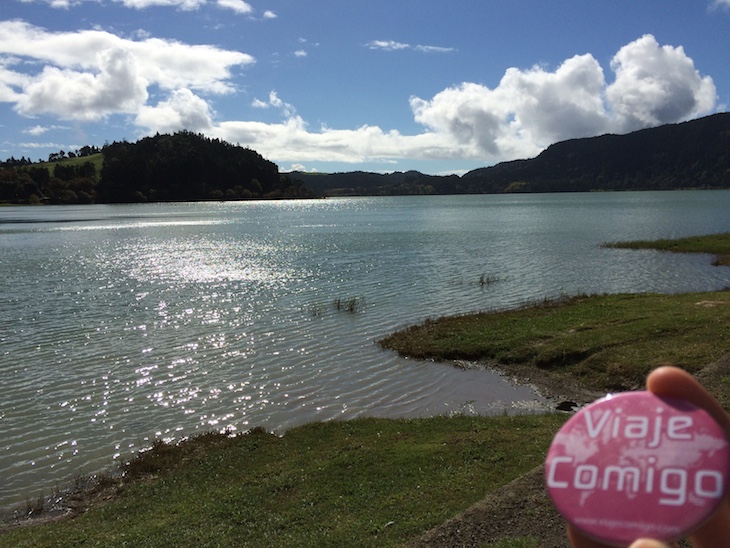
(677, 383)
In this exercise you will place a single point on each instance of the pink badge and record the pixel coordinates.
(637, 465)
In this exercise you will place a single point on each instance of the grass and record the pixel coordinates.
(366, 482)
(609, 342)
(96, 159)
(715, 244)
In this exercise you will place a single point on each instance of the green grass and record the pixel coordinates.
(366, 482)
(609, 342)
(715, 244)
(96, 159)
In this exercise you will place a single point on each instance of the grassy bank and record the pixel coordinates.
(367, 482)
(607, 342)
(714, 244)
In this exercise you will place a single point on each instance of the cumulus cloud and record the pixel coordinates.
(86, 96)
(657, 84)
(291, 140)
(88, 75)
(182, 110)
(533, 108)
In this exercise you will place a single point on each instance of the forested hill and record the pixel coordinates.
(180, 167)
(692, 154)
(188, 166)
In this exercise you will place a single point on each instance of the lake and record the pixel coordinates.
(120, 324)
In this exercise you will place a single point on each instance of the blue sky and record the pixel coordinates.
(343, 85)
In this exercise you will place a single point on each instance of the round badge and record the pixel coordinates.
(636, 465)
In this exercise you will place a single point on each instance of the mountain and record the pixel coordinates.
(693, 154)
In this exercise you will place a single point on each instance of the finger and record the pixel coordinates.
(648, 543)
(578, 540)
(677, 383)
(716, 531)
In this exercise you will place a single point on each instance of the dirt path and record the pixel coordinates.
(522, 508)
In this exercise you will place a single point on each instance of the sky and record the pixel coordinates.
(343, 85)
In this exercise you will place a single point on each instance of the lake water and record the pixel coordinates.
(121, 324)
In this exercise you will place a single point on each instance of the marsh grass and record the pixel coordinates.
(351, 304)
(608, 342)
(365, 482)
(714, 244)
(488, 279)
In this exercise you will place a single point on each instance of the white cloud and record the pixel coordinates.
(86, 96)
(391, 45)
(287, 110)
(433, 49)
(62, 4)
(88, 75)
(239, 6)
(292, 141)
(183, 110)
(531, 109)
(40, 130)
(526, 112)
(55, 146)
(300, 53)
(268, 14)
(185, 5)
(656, 85)
(720, 4)
(387, 45)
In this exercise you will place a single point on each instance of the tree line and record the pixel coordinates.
(184, 166)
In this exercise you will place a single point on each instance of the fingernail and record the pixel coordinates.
(648, 543)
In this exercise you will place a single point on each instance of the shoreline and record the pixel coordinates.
(494, 517)
(73, 501)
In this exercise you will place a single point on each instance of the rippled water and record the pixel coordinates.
(119, 324)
